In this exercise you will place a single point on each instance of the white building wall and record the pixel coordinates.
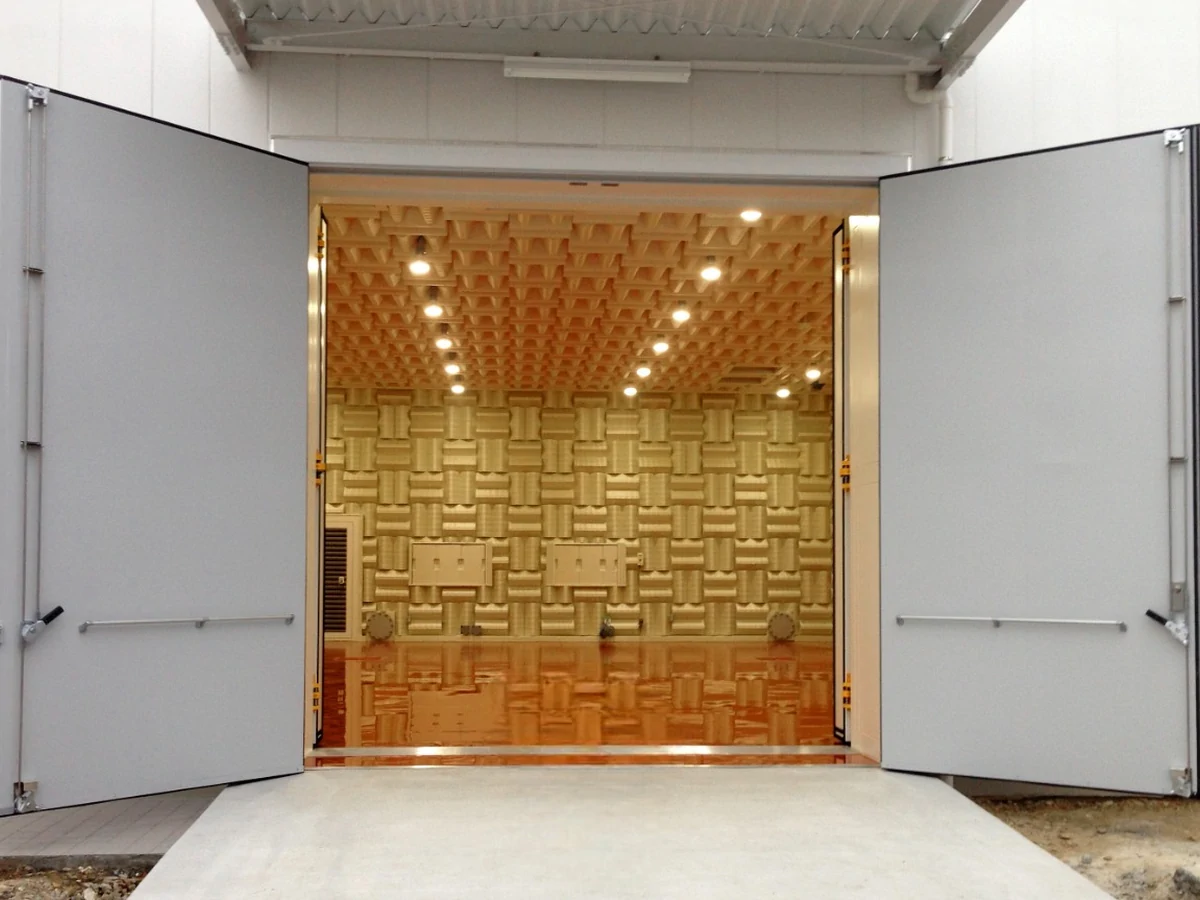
(158, 57)
(1060, 71)
(1065, 71)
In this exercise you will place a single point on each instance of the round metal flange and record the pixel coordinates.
(781, 627)
(379, 626)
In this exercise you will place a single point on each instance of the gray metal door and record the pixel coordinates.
(167, 496)
(1036, 467)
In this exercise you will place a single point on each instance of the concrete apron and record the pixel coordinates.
(605, 832)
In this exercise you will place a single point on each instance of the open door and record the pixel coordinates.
(1036, 467)
(839, 251)
(165, 455)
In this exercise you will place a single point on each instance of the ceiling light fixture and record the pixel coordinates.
(420, 265)
(660, 347)
(457, 389)
(568, 69)
(783, 393)
(642, 371)
(681, 314)
(453, 368)
(751, 215)
(443, 342)
(630, 391)
(711, 271)
(813, 373)
(433, 309)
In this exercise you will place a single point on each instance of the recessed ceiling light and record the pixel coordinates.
(457, 389)
(751, 215)
(453, 368)
(433, 309)
(630, 391)
(443, 343)
(711, 271)
(420, 265)
(813, 373)
(661, 347)
(783, 393)
(642, 371)
(681, 314)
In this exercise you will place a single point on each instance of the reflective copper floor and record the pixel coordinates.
(578, 695)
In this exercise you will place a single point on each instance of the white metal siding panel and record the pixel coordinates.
(471, 101)
(109, 55)
(303, 97)
(734, 109)
(237, 101)
(382, 98)
(560, 112)
(180, 65)
(647, 115)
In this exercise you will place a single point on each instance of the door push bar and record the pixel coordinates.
(997, 621)
(31, 629)
(198, 621)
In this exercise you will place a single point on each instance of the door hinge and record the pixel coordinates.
(845, 256)
(316, 696)
(25, 796)
(1181, 782)
(319, 468)
(844, 472)
(1175, 137)
(846, 693)
(36, 95)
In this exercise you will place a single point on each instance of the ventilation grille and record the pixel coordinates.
(745, 376)
(334, 605)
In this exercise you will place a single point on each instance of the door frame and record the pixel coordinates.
(755, 187)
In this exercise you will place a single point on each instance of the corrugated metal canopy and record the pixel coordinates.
(892, 36)
(817, 19)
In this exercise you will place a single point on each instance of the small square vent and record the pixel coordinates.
(747, 376)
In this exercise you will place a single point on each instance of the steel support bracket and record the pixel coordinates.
(36, 95)
(1181, 782)
(1175, 137)
(1178, 597)
(25, 796)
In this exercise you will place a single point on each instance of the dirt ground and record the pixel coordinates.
(83, 883)
(1134, 849)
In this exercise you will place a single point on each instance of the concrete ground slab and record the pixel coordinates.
(605, 832)
(135, 827)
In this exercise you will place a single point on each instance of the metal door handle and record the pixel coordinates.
(1178, 629)
(30, 630)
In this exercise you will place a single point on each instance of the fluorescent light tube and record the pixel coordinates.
(597, 69)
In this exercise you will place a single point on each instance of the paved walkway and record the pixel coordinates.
(141, 826)
(613, 832)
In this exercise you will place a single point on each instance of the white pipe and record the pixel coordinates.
(924, 97)
(945, 129)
